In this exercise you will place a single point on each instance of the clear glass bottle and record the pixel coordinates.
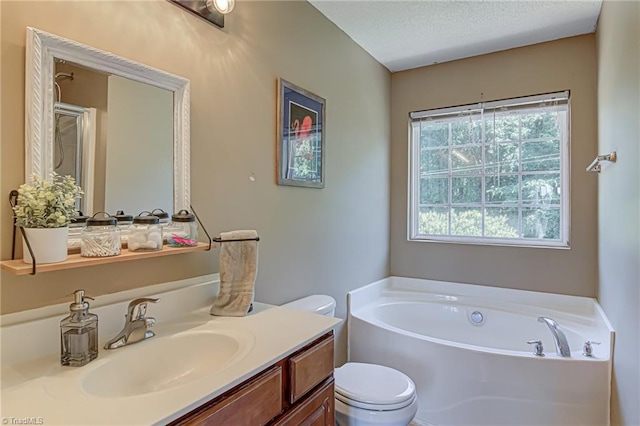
(100, 237)
(79, 333)
(145, 233)
(183, 230)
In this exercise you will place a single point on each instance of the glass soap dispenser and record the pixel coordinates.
(79, 333)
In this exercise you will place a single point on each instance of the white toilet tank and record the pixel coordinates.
(316, 303)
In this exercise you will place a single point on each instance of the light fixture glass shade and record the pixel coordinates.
(222, 6)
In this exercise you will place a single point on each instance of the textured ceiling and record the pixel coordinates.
(409, 34)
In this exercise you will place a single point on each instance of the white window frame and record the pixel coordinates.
(413, 183)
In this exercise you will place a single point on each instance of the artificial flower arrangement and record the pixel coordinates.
(47, 203)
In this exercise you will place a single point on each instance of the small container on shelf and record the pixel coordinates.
(75, 231)
(162, 216)
(100, 237)
(124, 220)
(145, 233)
(183, 230)
(79, 220)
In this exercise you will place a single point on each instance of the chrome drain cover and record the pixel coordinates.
(476, 317)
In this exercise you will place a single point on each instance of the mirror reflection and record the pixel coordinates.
(119, 126)
(115, 136)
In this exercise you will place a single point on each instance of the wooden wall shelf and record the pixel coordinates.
(18, 267)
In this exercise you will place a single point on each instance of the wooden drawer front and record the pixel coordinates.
(309, 368)
(316, 410)
(256, 404)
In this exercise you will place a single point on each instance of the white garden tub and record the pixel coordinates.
(465, 347)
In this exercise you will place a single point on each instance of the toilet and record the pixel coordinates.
(365, 394)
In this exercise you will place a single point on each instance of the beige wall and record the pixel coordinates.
(542, 68)
(312, 241)
(618, 38)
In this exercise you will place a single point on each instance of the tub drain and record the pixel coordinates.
(476, 317)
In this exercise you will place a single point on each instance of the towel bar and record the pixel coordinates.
(220, 240)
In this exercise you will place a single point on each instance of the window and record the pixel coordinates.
(491, 173)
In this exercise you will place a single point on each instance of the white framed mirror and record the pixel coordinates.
(44, 53)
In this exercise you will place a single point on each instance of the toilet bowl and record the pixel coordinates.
(370, 394)
(365, 394)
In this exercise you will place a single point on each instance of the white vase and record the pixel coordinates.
(49, 245)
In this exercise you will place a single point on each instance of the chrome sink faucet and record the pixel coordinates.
(136, 324)
(560, 340)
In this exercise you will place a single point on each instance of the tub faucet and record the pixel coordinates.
(136, 325)
(562, 346)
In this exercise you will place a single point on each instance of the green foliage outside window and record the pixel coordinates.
(506, 165)
(466, 222)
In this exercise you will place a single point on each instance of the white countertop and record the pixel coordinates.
(44, 392)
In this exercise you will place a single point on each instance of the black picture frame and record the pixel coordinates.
(301, 137)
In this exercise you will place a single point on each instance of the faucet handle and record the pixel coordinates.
(587, 350)
(138, 307)
(537, 349)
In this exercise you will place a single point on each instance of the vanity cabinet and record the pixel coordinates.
(296, 390)
(316, 410)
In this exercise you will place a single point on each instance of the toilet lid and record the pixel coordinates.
(369, 385)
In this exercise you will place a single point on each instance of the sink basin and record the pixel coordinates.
(162, 363)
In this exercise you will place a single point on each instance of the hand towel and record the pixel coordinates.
(238, 268)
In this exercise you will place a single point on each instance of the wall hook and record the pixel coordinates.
(595, 164)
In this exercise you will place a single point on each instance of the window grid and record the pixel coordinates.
(450, 177)
(483, 182)
(479, 170)
(520, 210)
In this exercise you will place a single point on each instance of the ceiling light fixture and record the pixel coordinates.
(212, 11)
(222, 6)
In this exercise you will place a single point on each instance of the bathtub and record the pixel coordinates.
(465, 347)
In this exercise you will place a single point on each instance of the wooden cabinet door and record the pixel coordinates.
(310, 367)
(295, 391)
(316, 410)
(255, 404)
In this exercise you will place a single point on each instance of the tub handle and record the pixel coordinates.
(587, 350)
(537, 349)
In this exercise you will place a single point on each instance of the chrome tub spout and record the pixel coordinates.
(560, 340)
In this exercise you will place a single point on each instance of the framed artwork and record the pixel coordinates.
(301, 137)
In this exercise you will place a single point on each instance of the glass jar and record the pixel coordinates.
(162, 216)
(100, 237)
(124, 220)
(76, 226)
(183, 230)
(78, 221)
(145, 233)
